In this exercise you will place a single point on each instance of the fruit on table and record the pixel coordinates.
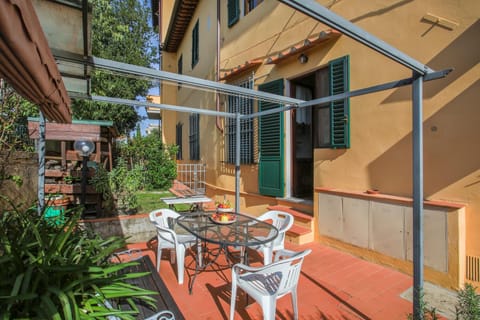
(224, 218)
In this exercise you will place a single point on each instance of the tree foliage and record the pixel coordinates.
(14, 113)
(157, 159)
(120, 32)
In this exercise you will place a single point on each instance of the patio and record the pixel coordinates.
(333, 285)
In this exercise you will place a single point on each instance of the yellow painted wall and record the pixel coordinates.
(380, 156)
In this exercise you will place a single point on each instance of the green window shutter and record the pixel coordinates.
(233, 12)
(340, 109)
(271, 161)
(195, 44)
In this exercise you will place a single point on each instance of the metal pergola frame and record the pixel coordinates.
(420, 74)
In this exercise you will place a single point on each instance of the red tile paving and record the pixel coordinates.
(333, 285)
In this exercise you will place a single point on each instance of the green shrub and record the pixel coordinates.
(156, 158)
(50, 271)
(468, 305)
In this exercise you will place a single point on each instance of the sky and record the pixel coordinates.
(142, 112)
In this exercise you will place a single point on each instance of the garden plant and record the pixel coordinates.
(51, 270)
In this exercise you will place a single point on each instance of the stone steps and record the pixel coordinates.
(302, 230)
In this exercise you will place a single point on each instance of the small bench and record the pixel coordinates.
(164, 300)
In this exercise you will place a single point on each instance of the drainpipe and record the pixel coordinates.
(160, 49)
(41, 163)
(217, 71)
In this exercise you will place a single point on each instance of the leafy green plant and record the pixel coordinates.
(101, 183)
(468, 305)
(157, 159)
(71, 179)
(427, 312)
(124, 183)
(50, 271)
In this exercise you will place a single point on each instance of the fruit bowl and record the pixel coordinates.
(223, 218)
(224, 209)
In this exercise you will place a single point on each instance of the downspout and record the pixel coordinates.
(86, 40)
(160, 46)
(41, 163)
(160, 62)
(217, 71)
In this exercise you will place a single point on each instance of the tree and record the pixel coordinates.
(156, 158)
(120, 32)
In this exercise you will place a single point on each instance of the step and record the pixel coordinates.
(299, 215)
(301, 232)
(299, 235)
(301, 219)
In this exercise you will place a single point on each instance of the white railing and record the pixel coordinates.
(192, 175)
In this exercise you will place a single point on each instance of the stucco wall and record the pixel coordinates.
(380, 156)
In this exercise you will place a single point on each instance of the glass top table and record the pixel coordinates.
(236, 230)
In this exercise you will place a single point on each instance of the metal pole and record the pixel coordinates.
(84, 181)
(41, 163)
(417, 99)
(237, 163)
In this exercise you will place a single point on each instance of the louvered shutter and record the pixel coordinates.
(233, 12)
(340, 109)
(271, 160)
(195, 44)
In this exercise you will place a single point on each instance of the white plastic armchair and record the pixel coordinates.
(268, 283)
(167, 238)
(283, 221)
(162, 315)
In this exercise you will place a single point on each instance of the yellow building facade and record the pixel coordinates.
(322, 163)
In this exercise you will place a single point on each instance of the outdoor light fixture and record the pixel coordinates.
(84, 149)
(303, 58)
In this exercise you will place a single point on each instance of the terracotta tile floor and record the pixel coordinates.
(333, 285)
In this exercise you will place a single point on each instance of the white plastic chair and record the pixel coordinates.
(162, 315)
(167, 238)
(283, 221)
(268, 283)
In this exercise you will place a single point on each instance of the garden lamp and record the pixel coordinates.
(84, 149)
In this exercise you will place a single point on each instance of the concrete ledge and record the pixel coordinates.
(136, 228)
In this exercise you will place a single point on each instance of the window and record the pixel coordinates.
(251, 4)
(178, 140)
(332, 128)
(194, 137)
(233, 12)
(180, 69)
(242, 105)
(195, 45)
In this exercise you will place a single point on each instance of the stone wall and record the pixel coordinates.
(24, 165)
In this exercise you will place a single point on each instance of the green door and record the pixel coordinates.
(271, 161)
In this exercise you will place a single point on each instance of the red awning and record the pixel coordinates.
(27, 63)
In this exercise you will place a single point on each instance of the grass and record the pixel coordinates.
(151, 200)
